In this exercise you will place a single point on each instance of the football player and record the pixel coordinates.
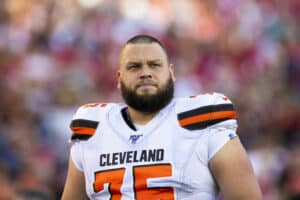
(155, 146)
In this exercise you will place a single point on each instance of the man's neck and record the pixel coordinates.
(140, 118)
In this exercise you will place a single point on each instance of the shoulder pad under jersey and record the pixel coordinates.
(202, 111)
(86, 119)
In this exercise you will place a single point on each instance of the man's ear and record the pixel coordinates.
(172, 71)
(118, 84)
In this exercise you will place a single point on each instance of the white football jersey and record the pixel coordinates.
(165, 159)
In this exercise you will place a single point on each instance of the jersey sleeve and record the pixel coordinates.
(76, 155)
(204, 111)
(224, 120)
(83, 126)
(213, 117)
(84, 123)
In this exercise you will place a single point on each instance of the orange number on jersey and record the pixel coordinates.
(142, 173)
(114, 178)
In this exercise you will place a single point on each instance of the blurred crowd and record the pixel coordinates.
(56, 55)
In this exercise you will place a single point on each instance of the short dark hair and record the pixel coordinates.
(145, 39)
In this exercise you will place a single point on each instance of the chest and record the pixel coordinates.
(162, 163)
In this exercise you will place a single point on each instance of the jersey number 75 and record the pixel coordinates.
(114, 179)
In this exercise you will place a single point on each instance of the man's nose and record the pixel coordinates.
(145, 73)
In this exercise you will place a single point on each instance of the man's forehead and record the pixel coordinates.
(136, 52)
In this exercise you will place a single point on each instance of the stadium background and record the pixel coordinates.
(58, 54)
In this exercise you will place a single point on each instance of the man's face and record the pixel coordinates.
(145, 77)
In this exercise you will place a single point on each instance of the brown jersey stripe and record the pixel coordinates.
(205, 110)
(208, 117)
(84, 123)
(83, 130)
(203, 125)
(80, 137)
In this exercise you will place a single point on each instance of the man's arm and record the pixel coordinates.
(75, 184)
(234, 174)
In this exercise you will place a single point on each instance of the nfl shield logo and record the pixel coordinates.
(134, 138)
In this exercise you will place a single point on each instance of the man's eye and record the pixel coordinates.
(133, 66)
(155, 64)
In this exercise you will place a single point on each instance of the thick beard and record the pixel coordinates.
(148, 103)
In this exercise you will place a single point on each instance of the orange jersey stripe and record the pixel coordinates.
(207, 117)
(83, 130)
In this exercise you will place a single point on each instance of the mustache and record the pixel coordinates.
(142, 83)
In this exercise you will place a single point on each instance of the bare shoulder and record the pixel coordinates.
(75, 184)
(233, 172)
